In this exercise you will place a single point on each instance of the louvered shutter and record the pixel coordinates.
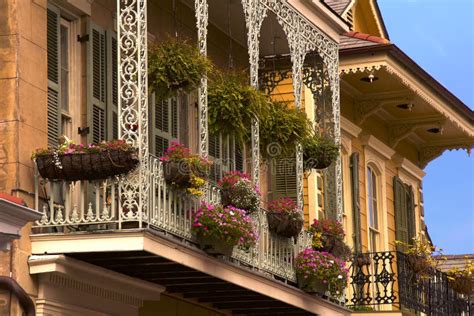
(183, 124)
(284, 179)
(96, 83)
(164, 123)
(215, 152)
(54, 75)
(354, 167)
(400, 203)
(112, 87)
(239, 156)
(410, 213)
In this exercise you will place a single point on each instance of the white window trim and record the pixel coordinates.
(374, 159)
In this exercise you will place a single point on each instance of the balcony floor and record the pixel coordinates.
(186, 272)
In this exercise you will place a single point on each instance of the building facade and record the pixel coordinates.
(78, 68)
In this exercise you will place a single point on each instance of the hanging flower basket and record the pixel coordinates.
(219, 229)
(313, 286)
(419, 264)
(185, 170)
(237, 190)
(284, 218)
(72, 162)
(214, 246)
(462, 285)
(362, 259)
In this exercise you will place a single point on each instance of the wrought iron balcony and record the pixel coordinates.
(390, 280)
(70, 207)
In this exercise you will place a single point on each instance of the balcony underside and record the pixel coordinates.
(186, 272)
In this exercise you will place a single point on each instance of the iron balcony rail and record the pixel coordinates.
(68, 207)
(390, 279)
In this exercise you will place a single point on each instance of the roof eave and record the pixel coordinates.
(396, 53)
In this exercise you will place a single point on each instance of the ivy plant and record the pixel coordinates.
(319, 152)
(282, 129)
(175, 65)
(233, 104)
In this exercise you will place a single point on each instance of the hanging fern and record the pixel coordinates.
(175, 65)
(282, 129)
(232, 104)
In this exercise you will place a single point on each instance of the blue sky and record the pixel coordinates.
(439, 36)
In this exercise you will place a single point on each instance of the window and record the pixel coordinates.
(404, 210)
(227, 155)
(373, 209)
(65, 62)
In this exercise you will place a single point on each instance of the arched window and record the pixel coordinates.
(373, 208)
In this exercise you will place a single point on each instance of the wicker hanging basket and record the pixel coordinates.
(313, 286)
(281, 224)
(86, 166)
(214, 246)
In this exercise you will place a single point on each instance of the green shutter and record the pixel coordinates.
(354, 167)
(54, 75)
(96, 83)
(411, 221)
(112, 86)
(164, 125)
(284, 179)
(400, 203)
(239, 156)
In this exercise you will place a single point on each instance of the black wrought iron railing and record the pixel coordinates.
(394, 278)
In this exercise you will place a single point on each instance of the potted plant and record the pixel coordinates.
(185, 170)
(233, 104)
(175, 65)
(282, 129)
(461, 279)
(73, 162)
(219, 229)
(284, 218)
(318, 272)
(419, 255)
(237, 190)
(319, 152)
(328, 235)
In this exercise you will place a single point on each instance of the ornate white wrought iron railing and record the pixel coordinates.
(95, 205)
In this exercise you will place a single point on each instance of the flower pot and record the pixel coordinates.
(214, 246)
(362, 259)
(86, 166)
(462, 285)
(311, 285)
(320, 162)
(281, 224)
(238, 199)
(177, 172)
(419, 265)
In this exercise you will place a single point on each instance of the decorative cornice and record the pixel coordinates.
(366, 68)
(377, 146)
(409, 167)
(350, 128)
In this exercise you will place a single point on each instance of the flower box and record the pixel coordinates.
(94, 163)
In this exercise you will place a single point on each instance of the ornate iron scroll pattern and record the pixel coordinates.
(133, 103)
(202, 16)
(254, 14)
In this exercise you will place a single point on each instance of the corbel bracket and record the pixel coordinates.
(400, 130)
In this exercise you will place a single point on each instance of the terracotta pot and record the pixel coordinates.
(214, 246)
(281, 224)
(93, 166)
(312, 286)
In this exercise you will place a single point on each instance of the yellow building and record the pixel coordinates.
(78, 68)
